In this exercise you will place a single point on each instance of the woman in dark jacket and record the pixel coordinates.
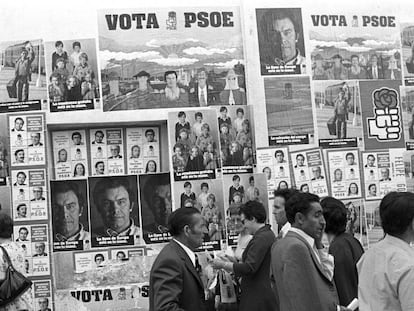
(344, 247)
(256, 292)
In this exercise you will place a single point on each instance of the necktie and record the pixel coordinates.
(202, 99)
(197, 265)
(231, 98)
(375, 73)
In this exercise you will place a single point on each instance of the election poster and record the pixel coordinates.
(29, 193)
(155, 206)
(407, 50)
(73, 77)
(194, 144)
(289, 110)
(338, 114)
(344, 170)
(375, 232)
(356, 220)
(237, 190)
(309, 171)
(42, 295)
(384, 171)
(27, 140)
(275, 164)
(115, 152)
(185, 57)
(407, 103)
(5, 155)
(70, 215)
(382, 115)
(351, 45)
(22, 76)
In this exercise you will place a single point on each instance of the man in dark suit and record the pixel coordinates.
(302, 270)
(175, 283)
(374, 71)
(203, 94)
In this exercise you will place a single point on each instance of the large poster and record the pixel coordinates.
(407, 42)
(184, 58)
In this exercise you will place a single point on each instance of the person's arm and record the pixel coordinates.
(167, 285)
(405, 290)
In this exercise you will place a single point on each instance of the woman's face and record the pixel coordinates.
(55, 81)
(283, 185)
(338, 175)
(353, 189)
(80, 171)
(135, 152)
(267, 172)
(151, 166)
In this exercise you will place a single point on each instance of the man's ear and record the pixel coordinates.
(297, 37)
(81, 210)
(132, 206)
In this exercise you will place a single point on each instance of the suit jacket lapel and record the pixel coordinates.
(188, 262)
(313, 255)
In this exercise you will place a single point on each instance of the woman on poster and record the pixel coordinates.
(232, 93)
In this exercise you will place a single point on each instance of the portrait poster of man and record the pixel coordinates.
(27, 139)
(339, 54)
(384, 171)
(207, 196)
(155, 206)
(275, 164)
(407, 104)
(70, 154)
(407, 51)
(194, 143)
(5, 157)
(344, 171)
(281, 41)
(186, 57)
(237, 190)
(311, 176)
(70, 215)
(114, 211)
(72, 71)
(338, 113)
(289, 111)
(23, 73)
(42, 294)
(40, 249)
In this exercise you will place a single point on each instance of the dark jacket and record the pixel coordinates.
(256, 291)
(212, 96)
(174, 282)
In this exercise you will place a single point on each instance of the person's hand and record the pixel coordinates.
(217, 263)
(231, 258)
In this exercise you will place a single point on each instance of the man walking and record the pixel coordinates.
(23, 71)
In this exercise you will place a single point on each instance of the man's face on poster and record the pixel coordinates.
(288, 37)
(370, 161)
(115, 150)
(99, 137)
(21, 178)
(100, 168)
(373, 190)
(150, 136)
(171, 80)
(43, 304)
(37, 193)
(22, 211)
(68, 212)
(316, 172)
(115, 207)
(63, 155)
(18, 124)
(23, 232)
(77, 139)
(385, 173)
(99, 260)
(300, 160)
(20, 156)
(35, 138)
(350, 159)
(40, 248)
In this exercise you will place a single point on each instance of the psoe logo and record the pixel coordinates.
(172, 21)
(386, 124)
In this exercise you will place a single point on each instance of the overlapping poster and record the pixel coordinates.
(289, 110)
(384, 171)
(344, 170)
(338, 113)
(407, 104)
(309, 171)
(5, 156)
(275, 164)
(42, 295)
(356, 223)
(186, 57)
(407, 43)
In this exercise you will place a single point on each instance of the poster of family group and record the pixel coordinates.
(186, 57)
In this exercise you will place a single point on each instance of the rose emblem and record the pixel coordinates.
(385, 98)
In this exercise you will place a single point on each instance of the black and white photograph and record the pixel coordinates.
(5, 156)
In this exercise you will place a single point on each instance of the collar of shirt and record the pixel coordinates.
(128, 231)
(285, 229)
(398, 242)
(304, 235)
(189, 252)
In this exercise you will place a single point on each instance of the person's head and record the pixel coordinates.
(72, 81)
(204, 187)
(79, 170)
(143, 77)
(99, 259)
(211, 199)
(318, 61)
(355, 60)
(198, 117)
(304, 212)
(19, 155)
(186, 225)
(182, 116)
(282, 185)
(350, 158)
(374, 59)
(246, 126)
(76, 46)
(183, 134)
(37, 192)
(21, 178)
(40, 248)
(100, 168)
(18, 124)
(99, 135)
(287, 29)
(178, 149)
(83, 58)
(397, 215)
(21, 210)
(304, 188)
(235, 146)
(23, 53)
(370, 160)
(194, 151)
(316, 170)
(150, 135)
(43, 303)
(114, 199)
(151, 167)
(135, 151)
(35, 138)
(337, 60)
(115, 150)
(251, 181)
(23, 233)
(171, 78)
(187, 187)
(335, 214)
(231, 80)
(224, 128)
(120, 255)
(372, 190)
(76, 138)
(237, 197)
(300, 159)
(240, 113)
(279, 202)
(205, 129)
(338, 175)
(62, 155)
(253, 216)
(279, 155)
(54, 79)
(202, 77)
(68, 204)
(236, 180)
(6, 226)
(59, 46)
(60, 63)
(385, 173)
(353, 189)
(268, 172)
(223, 112)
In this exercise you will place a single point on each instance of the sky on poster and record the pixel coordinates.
(220, 47)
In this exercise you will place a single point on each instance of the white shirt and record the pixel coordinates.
(189, 252)
(204, 90)
(285, 229)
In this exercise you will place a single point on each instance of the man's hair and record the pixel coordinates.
(235, 177)
(223, 109)
(371, 185)
(299, 203)
(99, 255)
(58, 43)
(76, 43)
(181, 114)
(349, 154)
(370, 155)
(181, 218)
(186, 184)
(198, 114)
(120, 253)
(21, 173)
(397, 212)
(76, 133)
(251, 178)
(21, 205)
(300, 155)
(285, 193)
(354, 56)
(18, 118)
(280, 14)
(24, 228)
(334, 212)
(97, 163)
(99, 131)
(239, 110)
(67, 186)
(169, 72)
(17, 151)
(112, 182)
(6, 226)
(253, 209)
(149, 131)
(279, 151)
(203, 184)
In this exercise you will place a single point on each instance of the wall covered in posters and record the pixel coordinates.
(113, 115)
